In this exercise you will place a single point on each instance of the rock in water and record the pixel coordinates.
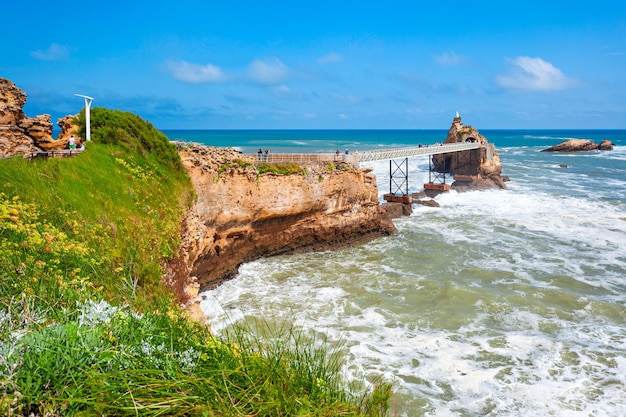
(580, 145)
(480, 168)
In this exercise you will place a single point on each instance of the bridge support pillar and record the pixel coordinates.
(436, 180)
(398, 177)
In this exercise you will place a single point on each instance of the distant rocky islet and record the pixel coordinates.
(581, 145)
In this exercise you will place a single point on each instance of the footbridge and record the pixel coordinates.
(398, 163)
(398, 171)
(396, 153)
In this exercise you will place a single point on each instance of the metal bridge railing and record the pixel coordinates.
(393, 153)
(298, 157)
(366, 156)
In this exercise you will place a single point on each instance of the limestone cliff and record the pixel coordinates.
(20, 134)
(473, 170)
(241, 215)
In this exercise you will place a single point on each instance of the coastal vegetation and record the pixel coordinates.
(87, 326)
(236, 163)
(282, 168)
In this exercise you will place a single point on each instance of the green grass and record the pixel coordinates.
(87, 327)
(235, 163)
(281, 169)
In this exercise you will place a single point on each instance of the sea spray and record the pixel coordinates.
(507, 302)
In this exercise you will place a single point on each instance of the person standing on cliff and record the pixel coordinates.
(267, 154)
(260, 154)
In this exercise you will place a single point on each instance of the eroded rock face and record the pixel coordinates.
(480, 168)
(20, 134)
(12, 101)
(37, 127)
(13, 138)
(241, 216)
(13, 141)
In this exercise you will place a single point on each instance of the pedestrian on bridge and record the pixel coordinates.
(260, 154)
(267, 154)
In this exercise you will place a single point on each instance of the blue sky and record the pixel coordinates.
(324, 64)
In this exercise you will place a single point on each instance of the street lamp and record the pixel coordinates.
(88, 101)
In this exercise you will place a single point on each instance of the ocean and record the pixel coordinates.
(497, 303)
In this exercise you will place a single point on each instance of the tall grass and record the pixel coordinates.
(87, 328)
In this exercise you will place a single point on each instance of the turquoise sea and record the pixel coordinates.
(497, 303)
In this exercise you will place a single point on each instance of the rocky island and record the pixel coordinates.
(580, 145)
(478, 169)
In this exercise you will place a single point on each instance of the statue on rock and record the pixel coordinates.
(475, 169)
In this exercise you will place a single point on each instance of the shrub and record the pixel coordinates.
(282, 169)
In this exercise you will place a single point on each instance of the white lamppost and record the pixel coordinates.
(88, 101)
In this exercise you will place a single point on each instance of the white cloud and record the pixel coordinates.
(414, 111)
(346, 98)
(534, 74)
(342, 116)
(282, 91)
(449, 58)
(330, 58)
(195, 73)
(271, 71)
(54, 52)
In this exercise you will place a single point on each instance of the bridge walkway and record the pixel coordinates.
(357, 158)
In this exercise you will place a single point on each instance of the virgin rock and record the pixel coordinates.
(476, 169)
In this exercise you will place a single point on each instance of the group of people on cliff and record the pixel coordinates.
(267, 154)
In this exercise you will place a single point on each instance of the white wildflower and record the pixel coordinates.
(95, 312)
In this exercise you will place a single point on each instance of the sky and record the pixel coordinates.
(324, 64)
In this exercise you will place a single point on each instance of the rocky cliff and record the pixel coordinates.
(241, 215)
(473, 170)
(20, 134)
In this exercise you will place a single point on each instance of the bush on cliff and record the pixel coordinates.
(282, 169)
(86, 327)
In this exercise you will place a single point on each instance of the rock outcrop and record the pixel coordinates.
(241, 215)
(606, 145)
(477, 169)
(20, 134)
(580, 145)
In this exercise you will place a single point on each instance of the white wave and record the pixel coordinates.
(501, 302)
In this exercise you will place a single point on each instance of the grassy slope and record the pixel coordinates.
(86, 328)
